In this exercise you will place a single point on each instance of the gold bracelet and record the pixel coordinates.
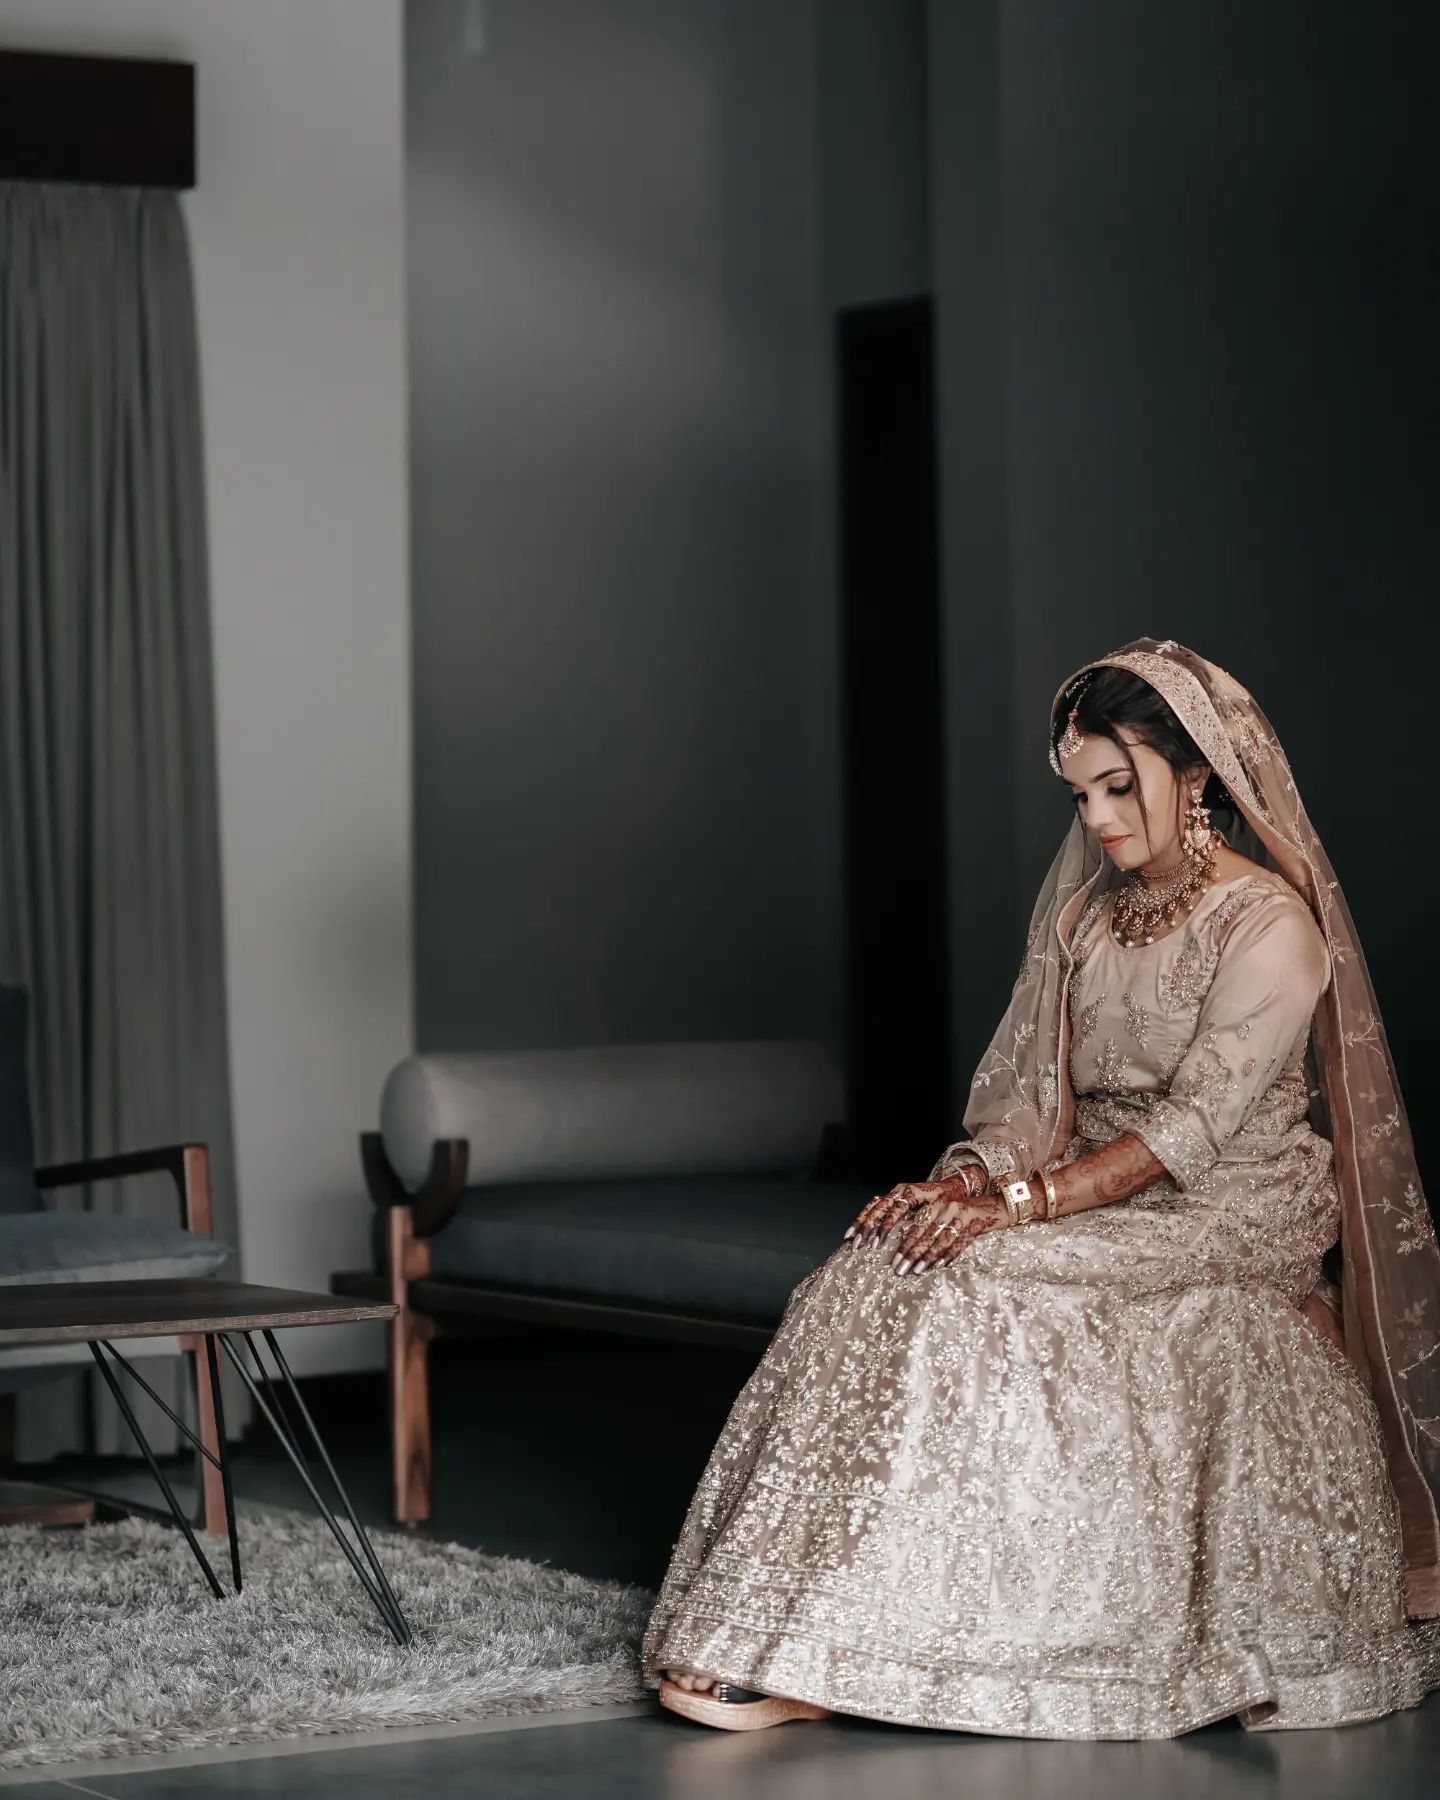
(1019, 1201)
(961, 1173)
(1052, 1199)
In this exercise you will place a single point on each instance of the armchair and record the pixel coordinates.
(40, 1244)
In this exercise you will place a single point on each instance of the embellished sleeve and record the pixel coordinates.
(1272, 968)
(997, 1159)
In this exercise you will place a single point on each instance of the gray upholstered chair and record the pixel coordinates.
(666, 1190)
(43, 1244)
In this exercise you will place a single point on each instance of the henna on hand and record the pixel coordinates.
(878, 1215)
(885, 1211)
(1113, 1172)
(942, 1232)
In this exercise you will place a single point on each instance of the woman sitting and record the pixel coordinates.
(1066, 1440)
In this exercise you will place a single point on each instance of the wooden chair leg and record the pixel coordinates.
(407, 1258)
(211, 1516)
(192, 1174)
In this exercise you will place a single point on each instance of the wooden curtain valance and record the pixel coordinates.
(117, 120)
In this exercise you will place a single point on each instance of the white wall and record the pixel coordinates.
(297, 229)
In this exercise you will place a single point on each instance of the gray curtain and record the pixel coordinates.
(110, 907)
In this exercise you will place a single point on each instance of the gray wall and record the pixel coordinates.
(874, 150)
(624, 679)
(1184, 260)
(1180, 260)
(989, 916)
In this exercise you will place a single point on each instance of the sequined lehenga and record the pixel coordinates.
(1098, 1478)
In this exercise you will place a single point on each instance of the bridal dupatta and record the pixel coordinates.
(1021, 1109)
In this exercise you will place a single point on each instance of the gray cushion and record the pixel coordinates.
(75, 1246)
(18, 1193)
(726, 1246)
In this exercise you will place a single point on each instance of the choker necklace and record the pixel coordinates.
(1140, 909)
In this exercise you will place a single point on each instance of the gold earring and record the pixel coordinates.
(1198, 835)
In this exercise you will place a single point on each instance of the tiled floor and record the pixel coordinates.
(582, 1451)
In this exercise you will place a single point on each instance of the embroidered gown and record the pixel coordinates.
(1097, 1478)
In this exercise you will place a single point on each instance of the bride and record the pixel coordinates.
(1074, 1439)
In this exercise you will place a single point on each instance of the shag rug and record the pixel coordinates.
(111, 1643)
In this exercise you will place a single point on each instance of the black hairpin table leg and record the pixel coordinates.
(381, 1594)
(149, 1454)
(220, 1462)
(371, 1574)
(350, 1513)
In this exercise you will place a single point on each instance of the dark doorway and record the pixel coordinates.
(898, 1013)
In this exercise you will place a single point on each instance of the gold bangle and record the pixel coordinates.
(1052, 1199)
(1019, 1201)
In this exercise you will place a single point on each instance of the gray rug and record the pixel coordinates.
(111, 1643)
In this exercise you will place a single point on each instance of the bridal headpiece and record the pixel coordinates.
(1072, 737)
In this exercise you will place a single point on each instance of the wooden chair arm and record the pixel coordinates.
(188, 1165)
(432, 1205)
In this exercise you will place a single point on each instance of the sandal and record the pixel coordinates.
(736, 1708)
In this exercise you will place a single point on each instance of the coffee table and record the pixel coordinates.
(99, 1312)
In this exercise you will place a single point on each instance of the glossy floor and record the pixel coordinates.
(582, 1451)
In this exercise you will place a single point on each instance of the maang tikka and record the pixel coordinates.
(1072, 737)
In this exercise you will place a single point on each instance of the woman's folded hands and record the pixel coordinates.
(942, 1217)
(941, 1230)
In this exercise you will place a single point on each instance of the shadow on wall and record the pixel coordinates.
(1202, 262)
(624, 686)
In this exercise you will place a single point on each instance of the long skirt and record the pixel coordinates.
(1096, 1479)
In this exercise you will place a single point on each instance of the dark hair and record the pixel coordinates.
(1109, 698)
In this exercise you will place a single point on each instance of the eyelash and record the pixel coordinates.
(1116, 793)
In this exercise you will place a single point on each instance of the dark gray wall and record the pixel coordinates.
(1184, 286)
(874, 150)
(1185, 259)
(623, 659)
(988, 924)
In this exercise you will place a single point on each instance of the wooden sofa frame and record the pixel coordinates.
(427, 1307)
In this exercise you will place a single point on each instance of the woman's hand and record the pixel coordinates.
(945, 1227)
(885, 1211)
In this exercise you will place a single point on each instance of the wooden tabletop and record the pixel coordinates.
(80, 1311)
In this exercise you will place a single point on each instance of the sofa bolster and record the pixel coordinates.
(616, 1110)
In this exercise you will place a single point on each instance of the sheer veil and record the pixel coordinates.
(1021, 1108)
